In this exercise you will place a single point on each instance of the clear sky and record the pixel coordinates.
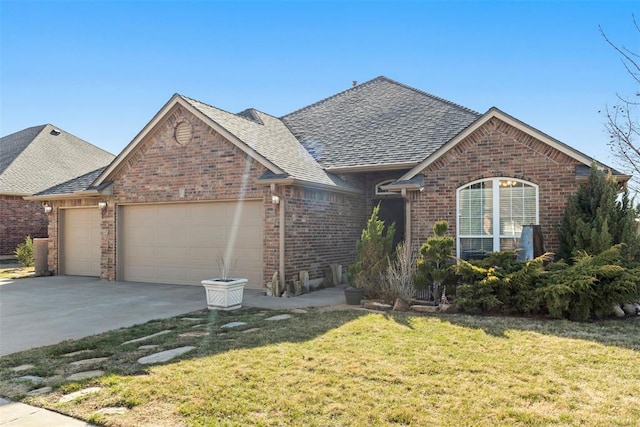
(101, 70)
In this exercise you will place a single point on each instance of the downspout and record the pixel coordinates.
(407, 218)
(281, 203)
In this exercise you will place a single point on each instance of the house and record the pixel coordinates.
(31, 161)
(265, 194)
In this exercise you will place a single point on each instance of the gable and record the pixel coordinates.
(204, 163)
(508, 130)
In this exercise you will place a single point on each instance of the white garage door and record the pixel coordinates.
(80, 242)
(182, 243)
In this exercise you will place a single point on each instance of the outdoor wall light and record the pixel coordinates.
(275, 199)
(102, 205)
(47, 209)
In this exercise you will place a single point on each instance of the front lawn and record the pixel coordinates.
(15, 271)
(352, 367)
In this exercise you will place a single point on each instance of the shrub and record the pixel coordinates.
(398, 281)
(591, 286)
(373, 251)
(434, 264)
(500, 282)
(24, 252)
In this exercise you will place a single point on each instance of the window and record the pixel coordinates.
(491, 214)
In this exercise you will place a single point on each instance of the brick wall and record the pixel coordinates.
(19, 218)
(495, 150)
(321, 229)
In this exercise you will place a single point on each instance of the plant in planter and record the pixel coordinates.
(434, 264)
(224, 292)
(373, 252)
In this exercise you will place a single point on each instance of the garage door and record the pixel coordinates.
(182, 243)
(80, 242)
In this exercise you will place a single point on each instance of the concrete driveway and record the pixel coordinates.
(47, 310)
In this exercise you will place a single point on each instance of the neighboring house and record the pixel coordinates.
(293, 193)
(31, 161)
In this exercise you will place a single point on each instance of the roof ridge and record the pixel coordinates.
(430, 95)
(222, 109)
(385, 78)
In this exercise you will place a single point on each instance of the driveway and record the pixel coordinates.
(47, 310)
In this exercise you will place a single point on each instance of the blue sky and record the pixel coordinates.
(101, 70)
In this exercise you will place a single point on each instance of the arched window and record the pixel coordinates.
(491, 213)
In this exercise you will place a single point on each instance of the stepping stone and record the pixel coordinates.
(112, 411)
(191, 319)
(299, 311)
(4, 401)
(80, 393)
(233, 325)
(279, 317)
(424, 308)
(148, 347)
(246, 331)
(148, 337)
(29, 378)
(378, 306)
(21, 368)
(75, 353)
(164, 356)
(195, 334)
(88, 361)
(200, 326)
(85, 375)
(39, 391)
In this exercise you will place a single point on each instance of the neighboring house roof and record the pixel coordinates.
(39, 157)
(380, 122)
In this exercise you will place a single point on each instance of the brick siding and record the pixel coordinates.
(20, 218)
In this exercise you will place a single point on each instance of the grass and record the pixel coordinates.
(352, 367)
(15, 271)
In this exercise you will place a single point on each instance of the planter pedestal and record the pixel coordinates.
(224, 294)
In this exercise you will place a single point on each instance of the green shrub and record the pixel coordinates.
(373, 251)
(435, 261)
(500, 282)
(24, 252)
(591, 286)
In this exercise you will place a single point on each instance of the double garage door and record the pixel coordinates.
(179, 243)
(184, 243)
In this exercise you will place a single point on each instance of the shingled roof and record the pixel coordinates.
(268, 136)
(379, 122)
(73, 185)
(39, 157)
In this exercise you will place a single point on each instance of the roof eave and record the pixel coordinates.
(307, 184)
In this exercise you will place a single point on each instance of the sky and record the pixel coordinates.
(102, 70)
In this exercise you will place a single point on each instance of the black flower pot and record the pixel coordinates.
(353, 296)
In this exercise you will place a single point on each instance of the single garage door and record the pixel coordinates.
(80, 241)
(182, 243)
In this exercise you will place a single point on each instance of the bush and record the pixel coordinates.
(591, 286)
(435, 262)
(500, 282)
(398, 281)
(373, 251)
(24, 252)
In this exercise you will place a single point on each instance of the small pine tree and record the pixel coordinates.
(24, 252)
(435, 259)
(594, 220)
(373, 252)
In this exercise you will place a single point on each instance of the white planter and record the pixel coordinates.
(224, 294)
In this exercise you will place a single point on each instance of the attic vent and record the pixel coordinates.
(55, 132)
(183, 133)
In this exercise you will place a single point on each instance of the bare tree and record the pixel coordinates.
(623, 122)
